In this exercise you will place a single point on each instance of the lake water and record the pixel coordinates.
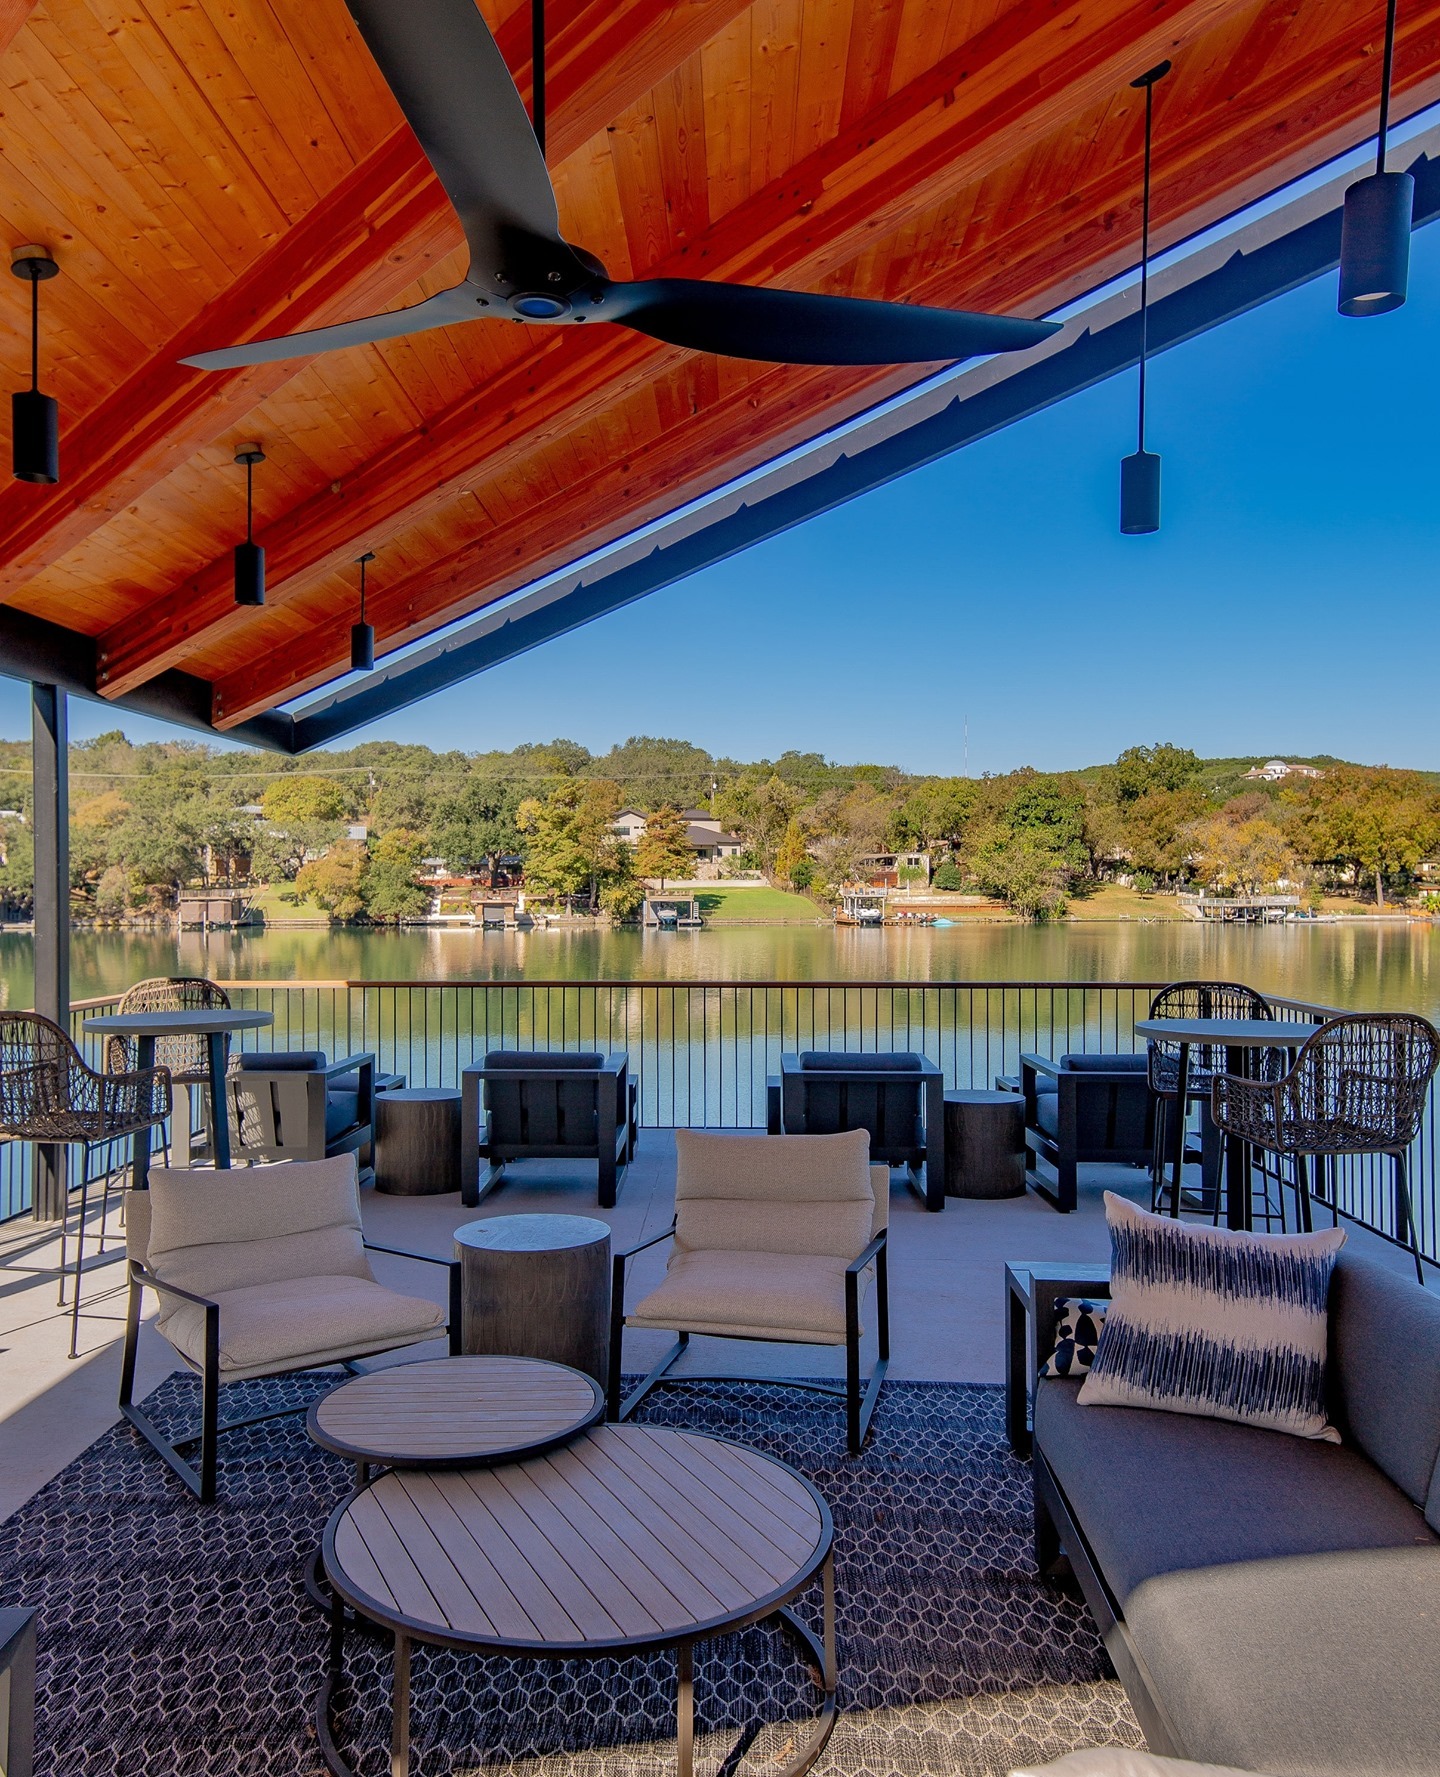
(1361, 966)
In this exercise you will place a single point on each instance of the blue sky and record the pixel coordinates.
(1288, 604)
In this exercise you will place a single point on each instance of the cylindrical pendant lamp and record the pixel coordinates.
(1140, 473)
(1379, 210)
(249, 556)
(34, 418)
(362, 634)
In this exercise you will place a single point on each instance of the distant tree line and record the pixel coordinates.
(147, 820)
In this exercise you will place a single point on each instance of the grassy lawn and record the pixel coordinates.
(719, 904)
(272, 908)
(1111, 902)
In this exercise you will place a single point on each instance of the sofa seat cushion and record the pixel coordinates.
(302, 1321)
(1312, 1665)
(1158, 1492)
(785, 1296)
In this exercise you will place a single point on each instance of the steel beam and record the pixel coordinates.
(50, 826)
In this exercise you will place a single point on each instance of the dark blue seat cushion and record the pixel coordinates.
(342, 1113)
(823, 1061)
(271, 1061)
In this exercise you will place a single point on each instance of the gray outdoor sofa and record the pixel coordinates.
(1270, 1603)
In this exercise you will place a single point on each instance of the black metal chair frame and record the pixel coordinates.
(786, 1115)
(1293, 1118)
(613, 1150)
(1064, 1152)
(859, 1403)
(201, 1481)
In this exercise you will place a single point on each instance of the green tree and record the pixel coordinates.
(1139, 771)
(304, 798)
(1374, 822)
(759, 808)
(571, 847)
(1155, 830)
(334, 880)
(663, 849)
(474, 825)
(388, 883)
(792, 859)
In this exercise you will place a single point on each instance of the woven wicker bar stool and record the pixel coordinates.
(187, 1058)
(49, 1096)
(1197, 999)
(1358, 1086)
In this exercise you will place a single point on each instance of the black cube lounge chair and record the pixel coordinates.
(899, 1097)
(1085, 1108)
(541, 1104)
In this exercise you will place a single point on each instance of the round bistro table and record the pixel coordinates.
(629, 1540)
(537, 1286)
(216, 1025)
(1240, 1038)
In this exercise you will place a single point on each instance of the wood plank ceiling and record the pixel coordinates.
(211, 170)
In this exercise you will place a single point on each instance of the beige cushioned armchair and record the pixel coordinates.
(776, 1237)
(260, 1272)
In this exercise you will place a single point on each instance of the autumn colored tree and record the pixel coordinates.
(792, 859)
(663, 849)
(1372, 821)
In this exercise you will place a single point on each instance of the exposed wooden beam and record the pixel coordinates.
(13, 14)
(725, 438)
(945, 130)
(361, 248)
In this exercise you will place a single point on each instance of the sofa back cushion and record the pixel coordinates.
(1215, 1323)
(803, 1194)
(1385, 1353)
(217, 1231)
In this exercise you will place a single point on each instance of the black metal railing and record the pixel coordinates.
(702, 1050)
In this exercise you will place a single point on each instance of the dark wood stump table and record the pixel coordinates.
(630, 1540)
(537, 1286)
(984, 1144)
(417, 1140)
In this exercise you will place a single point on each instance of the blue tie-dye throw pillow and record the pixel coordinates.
(1220, 1324)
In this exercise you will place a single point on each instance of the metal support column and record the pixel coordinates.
(51, 828)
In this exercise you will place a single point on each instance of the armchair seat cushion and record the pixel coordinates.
(342, 1113)
(782, 1296)
(298, 1322)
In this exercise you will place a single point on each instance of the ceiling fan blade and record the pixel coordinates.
(460, 304)
(791, 327)
(450, 80)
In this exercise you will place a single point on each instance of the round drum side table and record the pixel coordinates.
(537, 1286)
(984, 1144)
(417, 1141)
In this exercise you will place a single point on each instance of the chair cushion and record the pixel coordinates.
(758, 1294)
(801, 1194)
(277, 1061)
(1103, 1064)
(827, 1061)
(1121, 1761)
(542, 1058)
(1322, 1665)
(301, 1321)
(342, 1113)
(1211, 1321)
(213, 1232)
(1385, 1356)
(1047, 1111)
(1158, 1492)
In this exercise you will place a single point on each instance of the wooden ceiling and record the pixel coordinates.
(212, 170)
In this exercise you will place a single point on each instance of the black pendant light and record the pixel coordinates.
(249, 556)
(362, 634)
(35, 418)
(1140, 473)
(1375, 229)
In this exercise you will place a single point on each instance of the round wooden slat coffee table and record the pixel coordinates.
(628, 1540)
(454, 1412)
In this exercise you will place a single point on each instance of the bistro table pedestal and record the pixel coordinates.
(630, 1540)
(216, 1025)
(537, 1286)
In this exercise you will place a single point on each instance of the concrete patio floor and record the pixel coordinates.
(946, 1292)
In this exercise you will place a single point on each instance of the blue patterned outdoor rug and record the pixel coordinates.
(176, 1640)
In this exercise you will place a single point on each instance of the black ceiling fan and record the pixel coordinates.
(451, 82)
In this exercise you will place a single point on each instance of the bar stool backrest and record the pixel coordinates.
(1360, 1084)
(37, 1059)
(1205, 999)
(186, 1057)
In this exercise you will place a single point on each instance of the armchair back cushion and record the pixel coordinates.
(543, 1113)
(804, 1195)
(836, 1096)
(212, 1232)
(276, 1061)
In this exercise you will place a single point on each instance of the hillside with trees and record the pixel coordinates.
(351, 830)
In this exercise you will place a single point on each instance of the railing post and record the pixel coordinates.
(50, 774)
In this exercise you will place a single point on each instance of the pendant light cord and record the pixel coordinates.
(537, 70)
(1145, 256)
(35, 335)
(363, 560)
(250, 502)
(1385, 76)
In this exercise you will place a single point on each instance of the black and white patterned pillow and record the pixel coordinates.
(1077, 1333)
